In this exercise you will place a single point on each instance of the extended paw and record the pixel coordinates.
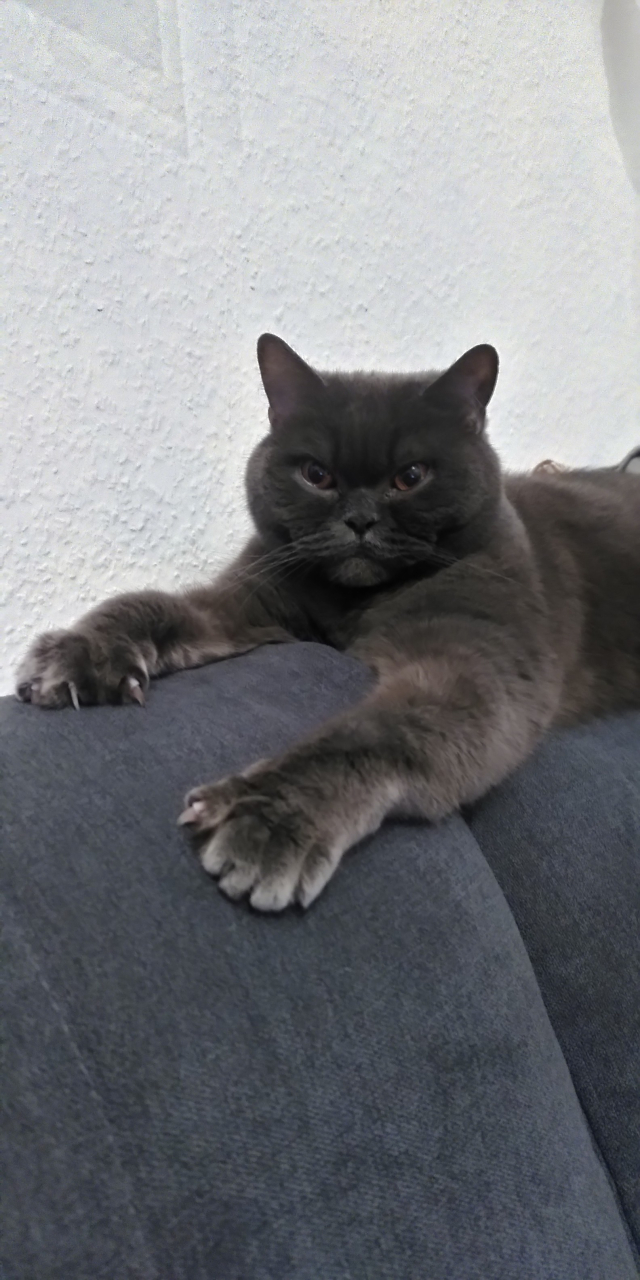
(66, 668)
(257, 837)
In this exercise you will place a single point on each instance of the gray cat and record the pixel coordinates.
(489, 608)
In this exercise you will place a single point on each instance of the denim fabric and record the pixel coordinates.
(563, 838)
(372, 1091)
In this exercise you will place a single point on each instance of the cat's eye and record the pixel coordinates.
(411, 476)
(317, 475)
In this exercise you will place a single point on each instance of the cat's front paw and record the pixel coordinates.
(259, 835)
(66, 668)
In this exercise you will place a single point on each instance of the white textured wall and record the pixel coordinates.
(383, 182)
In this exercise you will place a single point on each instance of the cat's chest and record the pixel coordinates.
(344, 618)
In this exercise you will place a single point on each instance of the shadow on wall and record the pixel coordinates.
(117, 59)
(620, 26)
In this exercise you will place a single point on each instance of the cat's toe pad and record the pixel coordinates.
(270, 884)
(27, 690)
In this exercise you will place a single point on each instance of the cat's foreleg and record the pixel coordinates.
(112, 653)
(433, 736)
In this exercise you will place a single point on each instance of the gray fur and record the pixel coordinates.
(489, 607)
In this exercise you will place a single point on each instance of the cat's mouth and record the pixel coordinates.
(369, 564)
(369, 560)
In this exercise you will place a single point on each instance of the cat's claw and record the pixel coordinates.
(192, 813)
(73, 694)
(135, 690)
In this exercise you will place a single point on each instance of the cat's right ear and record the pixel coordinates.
(290, 384)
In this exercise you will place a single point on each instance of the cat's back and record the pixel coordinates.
(594, 515)
(591, 499)
(584, 532)
(584, 526)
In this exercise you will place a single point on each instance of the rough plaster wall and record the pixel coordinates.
(383, 182)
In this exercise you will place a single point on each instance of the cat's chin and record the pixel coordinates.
(358, 571)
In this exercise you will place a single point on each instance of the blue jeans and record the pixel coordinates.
(372, 1091)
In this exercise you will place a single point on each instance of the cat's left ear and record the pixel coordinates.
(470, 383)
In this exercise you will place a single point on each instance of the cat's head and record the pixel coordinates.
(367, 475)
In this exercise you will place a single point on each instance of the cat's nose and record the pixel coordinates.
(361, 522)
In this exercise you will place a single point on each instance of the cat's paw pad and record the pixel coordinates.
(63, 669)
(264, 846)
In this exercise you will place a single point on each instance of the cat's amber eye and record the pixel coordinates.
(411, 476)
(317, 475)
